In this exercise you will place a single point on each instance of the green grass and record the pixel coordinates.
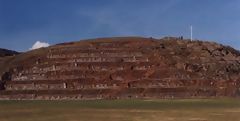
(122, 110)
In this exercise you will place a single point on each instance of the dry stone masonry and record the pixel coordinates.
(125, 67)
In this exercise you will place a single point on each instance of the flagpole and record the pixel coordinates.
(191, 29)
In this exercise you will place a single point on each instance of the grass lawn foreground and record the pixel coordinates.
(122, 110)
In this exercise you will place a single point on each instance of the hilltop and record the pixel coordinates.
(123, 67)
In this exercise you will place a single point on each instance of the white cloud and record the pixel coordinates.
(39, 44)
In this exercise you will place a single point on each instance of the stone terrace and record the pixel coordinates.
(125, 68)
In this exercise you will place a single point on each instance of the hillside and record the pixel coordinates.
(123, 67)
(5, 52)
(4, 56)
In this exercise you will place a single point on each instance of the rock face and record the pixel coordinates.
(125, 67)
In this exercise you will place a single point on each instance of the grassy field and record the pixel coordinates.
(122, 110)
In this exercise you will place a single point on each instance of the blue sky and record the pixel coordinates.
(23, 22)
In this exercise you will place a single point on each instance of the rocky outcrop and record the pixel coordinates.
(125, 67)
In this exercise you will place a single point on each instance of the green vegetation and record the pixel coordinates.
(122, 110)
